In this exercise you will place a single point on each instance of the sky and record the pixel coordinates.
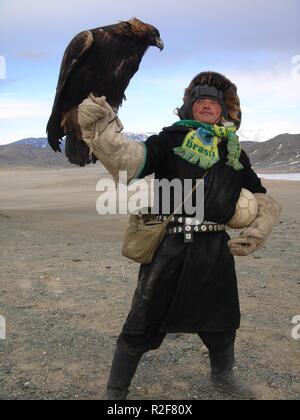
(254, 43)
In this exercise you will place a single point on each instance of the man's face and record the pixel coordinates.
(207, 111)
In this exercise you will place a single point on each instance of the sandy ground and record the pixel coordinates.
(65, 291)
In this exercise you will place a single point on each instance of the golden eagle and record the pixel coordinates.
(100, 61)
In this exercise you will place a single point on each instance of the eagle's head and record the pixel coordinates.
(146, 32)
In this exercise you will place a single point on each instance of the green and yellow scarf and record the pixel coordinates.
(200, 145)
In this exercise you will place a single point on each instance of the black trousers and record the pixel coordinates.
(151, 340)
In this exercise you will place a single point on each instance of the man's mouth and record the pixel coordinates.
(206, 113)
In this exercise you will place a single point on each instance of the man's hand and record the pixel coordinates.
(255, 236)
(101, 131)
(94, 116)
(247, 243)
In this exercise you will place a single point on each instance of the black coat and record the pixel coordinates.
(192, 287)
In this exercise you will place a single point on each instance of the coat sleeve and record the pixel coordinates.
(155, 155)
(251, 180)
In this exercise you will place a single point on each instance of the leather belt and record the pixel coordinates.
(189, 225)
(182, 220)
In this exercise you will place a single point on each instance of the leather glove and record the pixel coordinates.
(255, 236)
(95, 114)
(101, 130)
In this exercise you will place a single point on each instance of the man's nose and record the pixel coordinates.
(207, 106)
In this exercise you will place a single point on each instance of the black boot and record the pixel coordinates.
(122, 371)
(223, 377)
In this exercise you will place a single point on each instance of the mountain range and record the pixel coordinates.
(279, 154)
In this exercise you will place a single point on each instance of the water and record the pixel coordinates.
(281, 177)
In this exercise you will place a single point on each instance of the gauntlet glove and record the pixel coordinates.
(255, 236)
(101, 131)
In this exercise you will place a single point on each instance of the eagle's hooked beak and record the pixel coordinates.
(159, 43)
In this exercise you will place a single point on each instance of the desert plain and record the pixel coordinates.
(65, 292)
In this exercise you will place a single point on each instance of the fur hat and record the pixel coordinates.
(225, 92)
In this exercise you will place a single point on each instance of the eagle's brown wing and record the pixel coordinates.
(75, 52)
(125, 71)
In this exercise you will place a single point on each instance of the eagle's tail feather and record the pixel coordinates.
(77, 151)
(54, 132)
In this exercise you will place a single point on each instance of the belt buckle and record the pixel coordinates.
(188, 233)
(189, 222)
(188, 237)
(192, 221)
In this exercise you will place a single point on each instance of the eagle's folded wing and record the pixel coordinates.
(74, 54)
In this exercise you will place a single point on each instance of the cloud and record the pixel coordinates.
(270, 101)
(18, 109)
(240, 25)
(243, 40)
(20, 133)
(268, 88)
(267, 132)
(246, 109)
(262, 89)
(33, 55)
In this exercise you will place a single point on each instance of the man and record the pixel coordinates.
(191, 285)
(208, 111)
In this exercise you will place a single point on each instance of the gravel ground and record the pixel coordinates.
(65, 291)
